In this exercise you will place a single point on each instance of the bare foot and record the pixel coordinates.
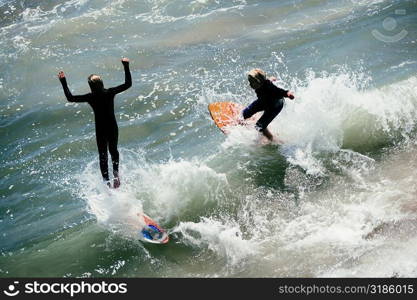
(116, 182)
(277, 141)
(268, 134)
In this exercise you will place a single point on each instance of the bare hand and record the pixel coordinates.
(125, 60)
(61, 75)
(290, 95)
(273, 78)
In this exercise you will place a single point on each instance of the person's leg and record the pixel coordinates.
(267, 134)
(251, 109)
(114, 153)
(102, 153)
(267, 117)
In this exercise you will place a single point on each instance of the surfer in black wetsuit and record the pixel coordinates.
(107, 132)
(270, 100)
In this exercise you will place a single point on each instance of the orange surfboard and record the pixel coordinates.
(229, 114)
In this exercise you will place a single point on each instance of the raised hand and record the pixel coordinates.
(61, 75)
(125, 60)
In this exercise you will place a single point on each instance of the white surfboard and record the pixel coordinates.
(151, 232)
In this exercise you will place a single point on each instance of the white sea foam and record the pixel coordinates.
(223, 238)
(166, 191)
(331, 113)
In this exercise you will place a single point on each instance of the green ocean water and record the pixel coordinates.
(337, 199)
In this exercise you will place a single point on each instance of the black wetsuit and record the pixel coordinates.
(270, 100)
(107, 132)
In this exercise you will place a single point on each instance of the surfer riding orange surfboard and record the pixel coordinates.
(270, 101)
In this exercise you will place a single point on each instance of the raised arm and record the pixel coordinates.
(67, 92)
(128, 78)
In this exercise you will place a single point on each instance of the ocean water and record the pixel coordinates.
(338, 198)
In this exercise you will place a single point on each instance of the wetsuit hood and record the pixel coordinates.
(95, 83)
